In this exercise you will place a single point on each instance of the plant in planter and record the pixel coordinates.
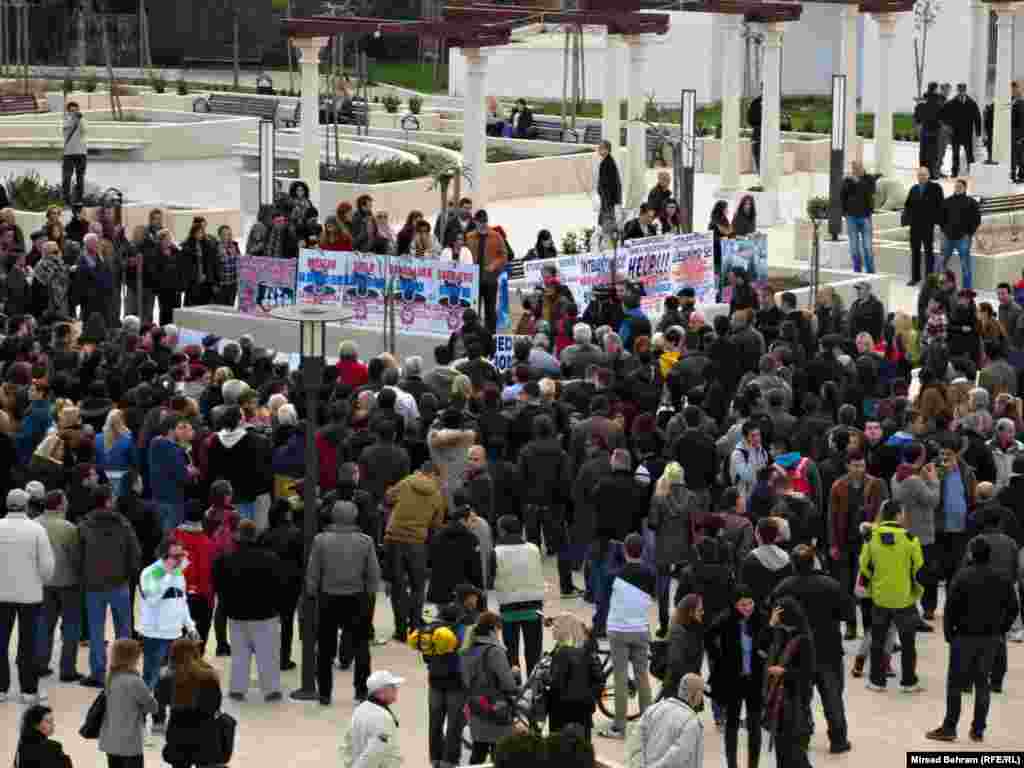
(442, 171)
(415, 104)
(182, 87)
(68, 86)
(651, 111)
(755, 188)
(818, 209)
(392, 103)
(31, 192)
(158, 83)
(89, 82)
(570, 244)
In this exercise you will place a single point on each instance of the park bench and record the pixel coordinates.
(19, 105)
(592, 134)
(1000, 204)
(233, 104)
(221, 61)
(356, 114)
(291, 116)
(95, 146)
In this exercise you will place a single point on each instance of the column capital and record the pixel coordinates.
(309, 48)
(886, 23)
(476, 61)
(730, 21)
(773, 34)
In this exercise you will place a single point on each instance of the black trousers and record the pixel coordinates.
(747, 692)
(906, 625)
(125, 761)
(755, 149)
(950, 547)
(481, 750)
(408, 567)
(220, 625)
(27, 615)
(489, 297)
(445, 708)
(970, 664)
(845, 570)
(928, 577)
(227, 293)
(201, 611)
(928, 151)
(288, 626)
(533, 641)
(791, 751)
(350, 613)
(967, 145)
(829, 677)
(73, 164)
(551, 521)
(169, 301)
(922, 239)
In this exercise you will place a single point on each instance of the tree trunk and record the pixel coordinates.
(115, 98)
(234, 42)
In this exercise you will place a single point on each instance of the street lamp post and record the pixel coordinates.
(267, 160)
(687, 149)
(312, 343)
(838, 158)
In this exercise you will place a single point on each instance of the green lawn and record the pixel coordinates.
(409, 74)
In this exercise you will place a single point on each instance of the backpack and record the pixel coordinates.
(798, 476)
(436, 639)
(578, 679)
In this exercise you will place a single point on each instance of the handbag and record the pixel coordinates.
(224, 729)
(94, 717)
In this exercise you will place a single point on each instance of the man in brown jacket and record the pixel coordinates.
(856, 498)
(417, 508)
(490, 253)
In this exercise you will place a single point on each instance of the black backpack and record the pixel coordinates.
(578, 677)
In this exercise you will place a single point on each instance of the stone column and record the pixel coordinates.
(883, 107)
(849, 14)
(979, 52)
(636, 131)
(1001, 93)
(611, 128)
(309, 163)
(771, 133)
(474, 124)
(729, 160)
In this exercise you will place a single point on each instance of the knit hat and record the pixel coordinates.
(36, 491)
(17, 500)
(674, 472)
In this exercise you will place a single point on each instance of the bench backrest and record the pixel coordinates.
(243, 105)
(15, 105)
(1001, 204)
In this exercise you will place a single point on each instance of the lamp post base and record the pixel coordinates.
(305, 694)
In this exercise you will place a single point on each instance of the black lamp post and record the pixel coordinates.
(838, 163)
(687, 150)
(312, 343)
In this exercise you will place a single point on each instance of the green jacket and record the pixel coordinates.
(889, 562)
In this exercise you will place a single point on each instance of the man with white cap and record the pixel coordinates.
(670, 734)
(28, 562)
(372, 739)
(36, 499)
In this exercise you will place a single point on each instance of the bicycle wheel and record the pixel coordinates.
(606, 701)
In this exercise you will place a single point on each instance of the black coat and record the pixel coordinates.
(981, 603)
(722, 640)
(960, 217)
(964, 116)
(455, 559)
(249, 582)
(923, 209)
(41, 752)
(609, 184)
(192, 731)
(685, 655)
(825, 604)
(549, 470)
(696, 453)
(754, 116)
(620, 506)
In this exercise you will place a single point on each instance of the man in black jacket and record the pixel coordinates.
(754, 121)
(867, 313)
(641, 226)
(696, 454)
(826, 604)
(455, 555)
(960, 220)
(926, 116)
(921, 212)
(962, 114)
(979, 611)
(857, 197)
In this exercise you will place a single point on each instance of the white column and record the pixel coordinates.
(771, 134)
(729, 159)
(612, 125)
(309, 163)
(1001, 94)
(883, 106)
(849, 16)
(636, 131)
(474, 124)
(979, 51)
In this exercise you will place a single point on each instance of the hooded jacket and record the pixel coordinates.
(669, 735)
(27, 558)
(418, 508)
(243, 458)
(455, 559)
(164, 611)
(919, 498)
(765, 567)
(343, 560)
(889, 561)
(109, 551)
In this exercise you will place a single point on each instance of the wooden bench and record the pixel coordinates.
(291, 116)
(1000, 204)
(592, 134)
(233, 104)
(19, 105)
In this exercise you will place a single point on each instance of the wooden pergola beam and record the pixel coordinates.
(750, 10)
(456, 33)
(617, 22)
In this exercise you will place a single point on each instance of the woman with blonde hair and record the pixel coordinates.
(128, 703)
(116, 450)
(573, 659)
(671, 520)
(194, 694)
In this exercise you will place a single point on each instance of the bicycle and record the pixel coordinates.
(606, 700)
(530, 704)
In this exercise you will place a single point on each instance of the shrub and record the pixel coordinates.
(415, 104)
(182, 87)
(31, 192)
(392, 103)
(570, 243)
(89, 82)
(818, 208)
(375, 172)
(68, 86)
(158, 83)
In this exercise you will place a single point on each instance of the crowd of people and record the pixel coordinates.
(779, 465)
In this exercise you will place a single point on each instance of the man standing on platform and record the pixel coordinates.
(921, 212)
(754, 121)
(961, 113)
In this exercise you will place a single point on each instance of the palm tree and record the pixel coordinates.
(442, 172)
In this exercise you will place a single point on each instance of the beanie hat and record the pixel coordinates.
(17, 500)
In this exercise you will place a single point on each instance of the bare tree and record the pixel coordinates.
(234, 41)
(926, 13)
(115, 97)
(145, 53)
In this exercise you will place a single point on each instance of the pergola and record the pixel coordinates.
(993, 179)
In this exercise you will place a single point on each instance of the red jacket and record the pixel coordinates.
(352, 373)
(199, 549)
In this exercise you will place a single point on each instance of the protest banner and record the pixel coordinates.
(431, 295)
(265, 283)
(504, 346)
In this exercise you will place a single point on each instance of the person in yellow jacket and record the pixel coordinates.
(889, 563)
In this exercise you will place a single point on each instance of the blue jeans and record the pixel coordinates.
(96, 610)
(64, 603)
(154, 654)
(246, 510)
(963, 247)
(601, 565)
(858, 229)
(171, 515)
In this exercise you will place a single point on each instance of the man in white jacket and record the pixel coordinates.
(670, 734)
(164, 611)
(372, 739)
(28, 564)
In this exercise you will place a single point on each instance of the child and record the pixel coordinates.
(220, 523)
(199, 572)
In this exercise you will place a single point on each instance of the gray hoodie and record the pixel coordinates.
(74, 137)
(343, 560)
(919, 498)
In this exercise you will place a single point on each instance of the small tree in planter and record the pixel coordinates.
(182, 86)
(68, 86)
(570, 244)
(89, 82)
(392, 103)
(818, 209)
(442, 172)
(415, 104)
